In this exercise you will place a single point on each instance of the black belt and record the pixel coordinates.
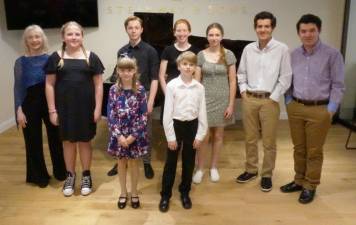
(258, 94)
(311, 102)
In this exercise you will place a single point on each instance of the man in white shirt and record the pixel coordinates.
(264, 75)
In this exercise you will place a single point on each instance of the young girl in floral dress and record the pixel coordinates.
(127, 117)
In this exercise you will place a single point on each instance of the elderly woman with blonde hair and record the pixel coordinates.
(31, 109)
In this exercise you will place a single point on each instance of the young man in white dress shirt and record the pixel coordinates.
(185, 123)
(264, 75)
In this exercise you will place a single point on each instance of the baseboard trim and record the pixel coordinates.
(7, 124)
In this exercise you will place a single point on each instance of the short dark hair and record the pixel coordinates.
(309, 18)
(265, 15)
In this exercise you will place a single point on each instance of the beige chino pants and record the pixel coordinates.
(260, 116)
(309, 126)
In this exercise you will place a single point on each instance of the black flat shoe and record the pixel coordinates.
(164, 205)
(122, 204)
(291, 187)
(186, 202)
(306, 196)
(135, 202)
(113, 171)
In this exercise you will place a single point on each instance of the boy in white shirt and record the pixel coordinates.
(185, 123)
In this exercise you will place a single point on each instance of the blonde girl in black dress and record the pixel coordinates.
(74, 91)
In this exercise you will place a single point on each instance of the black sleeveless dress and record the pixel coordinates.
(75, 95)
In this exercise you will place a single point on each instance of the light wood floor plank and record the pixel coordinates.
(225, 203)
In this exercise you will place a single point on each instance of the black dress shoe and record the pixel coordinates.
(113, 171)
(291, 187)
(135, 202)
(122, 202)
(306, 196)
(164, 205)
(149, 174)
(186, 202)
(43, 184)
(60, 177)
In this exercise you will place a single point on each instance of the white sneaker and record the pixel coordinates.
(86, 183)
(214, 175)
(68, 186)
(198, 176)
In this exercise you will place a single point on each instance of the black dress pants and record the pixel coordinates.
(35, 109)
(185, 134)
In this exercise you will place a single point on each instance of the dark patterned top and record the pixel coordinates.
(28, 72)
(127, 115)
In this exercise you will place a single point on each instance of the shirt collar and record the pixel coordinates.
(139, 45)
(182, 84)
(314, 49)
(269, 45)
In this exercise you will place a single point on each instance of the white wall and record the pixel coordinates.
(8, 52)
(235, 15)
(349, 101)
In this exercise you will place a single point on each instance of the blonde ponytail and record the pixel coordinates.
(85, 54)
(61, 61)
(222, 59)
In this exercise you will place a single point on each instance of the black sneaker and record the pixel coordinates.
(291, 187)
(149, 174)
(112, 171)
(86, 185)
(245, 177)
(266, 184)
(68, 186)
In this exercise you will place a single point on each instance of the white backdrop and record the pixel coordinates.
(235, 15)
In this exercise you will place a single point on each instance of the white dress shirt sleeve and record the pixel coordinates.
(168, 114)
(285, 76)
(242, 72)
(202, 118)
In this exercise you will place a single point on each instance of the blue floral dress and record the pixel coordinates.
(127, 115)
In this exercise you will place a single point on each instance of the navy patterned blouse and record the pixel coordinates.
(28, 72)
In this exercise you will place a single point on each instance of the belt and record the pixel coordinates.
(258, 94)
(311, 102)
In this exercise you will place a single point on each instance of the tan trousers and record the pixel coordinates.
(309, 126)
(260, 114)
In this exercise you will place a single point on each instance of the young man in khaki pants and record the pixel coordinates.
(264, 75)
(318, 87)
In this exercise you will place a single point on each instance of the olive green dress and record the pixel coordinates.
(216, 82)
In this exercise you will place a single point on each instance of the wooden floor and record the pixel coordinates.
(224, 203)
